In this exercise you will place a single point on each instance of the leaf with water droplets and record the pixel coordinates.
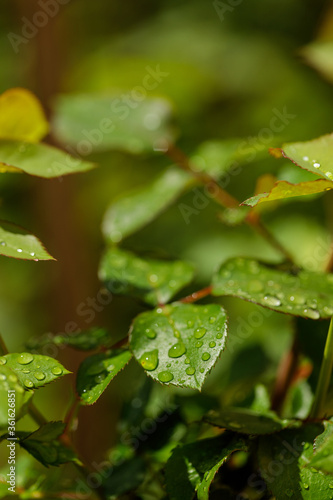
(139, 208)
(22, 246)
(154, 281)
(10, 382)
(284, 189)
(192, 467)
(183, 341)
(45, 446)
(87, 340)
(33, 370)
(300, 293)
(96, 122)
(247, 421)
(40, 160)
(284, 460)
(97, 371)
(21, 116)
(322, 459)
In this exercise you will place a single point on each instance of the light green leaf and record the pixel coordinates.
(284, 189)
(155, 281)
(33, 370)
(323, 450)
(283, 461)
(307, 294)
(45, 446)
(21, 116)
(319, 54)
(22, 246)
(97, 371)
(316, 156)
(87, 340)
(246, 421)
(9, 382)
(180, 343)
(40, 160)
(192, 467)
(102, 122)
(136, 210)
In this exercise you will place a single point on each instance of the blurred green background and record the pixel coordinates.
(227, 76)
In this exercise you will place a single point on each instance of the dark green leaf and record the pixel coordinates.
(179, 343)
(192, 468)
(87, 340)
(97, 371)
(33, 370)
(283, 460)
(125, 477)
(247, 421)
(323, 448)
(155, 281)
(307, 294)
(101, 122)
(10, 382)
(136, 210)
(22, 246)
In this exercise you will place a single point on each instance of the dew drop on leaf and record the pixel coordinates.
(198, 344)
(149, 360)
(312, 313)
(190, 323)
(99, 378)
(190, 370)
(25, 358)
(165, 376)
(150, 333)
(212, 344)
(205, 356)
(272, 301)
(56, 370)
(3, 361)
(177, 350)
(28, 384)
(200, 332)
(39, 375)
(212, 320)
(3, 243)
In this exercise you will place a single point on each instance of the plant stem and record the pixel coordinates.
(286, 371)
(324, 376)
(3, 347)
(200, 294)
(36, 415)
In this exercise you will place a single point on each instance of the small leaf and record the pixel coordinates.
(155, 281)
(104, 122)
(179, 343)
(97, 371)
(33, 370)
(10, 382)
(21, 116)
(314, 156)
(323, 457)
(247, 421)
(87, 340)
(45, 446)
(283, 460)
(136, 210)
(22, 246)
(284, 189)
(192, 467)
(39, 159)
(307, 294)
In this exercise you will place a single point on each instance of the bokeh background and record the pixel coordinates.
(228, 73)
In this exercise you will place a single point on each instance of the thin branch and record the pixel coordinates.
(285, 375)
(200, 294)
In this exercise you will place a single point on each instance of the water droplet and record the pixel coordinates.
(177, 350)
(205, 356)
(25, 358)
(19, 250)
(2, 376)
(3, 361)
(190, 323)
(200, 332)
(316, 165)
(32, 254)
(297, 299)
(56, 370)
(212, 320)
(28, 384)
(2, 243)
(159, 310)
(99, 378)
(177, 334)
(305, 158)
(110, 368)
(198, 344)
(272, 301)
(201, 370)
(168, 365)
(149, 360)
(165, 376)
(329, 175)
(39, 375)
(311, 313)
(153, 278)
(330, 486)
(255, 286)
(190, 370)
(219, 336)
(150, 333)
(25, 371)
(212, 344)
(187, 361)
(306, 446)
(306, 486)
(328, 310)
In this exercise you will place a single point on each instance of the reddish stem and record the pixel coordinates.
(200, 294)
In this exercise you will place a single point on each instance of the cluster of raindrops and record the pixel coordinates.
(317, 165)
(19, 250)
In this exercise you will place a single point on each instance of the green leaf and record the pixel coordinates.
(22, 246)
(307, 294)
(97, 371)
(192, 467)
(87, 340)
(40, 160)
(126, 476)
(102, 122)
(10, 382)
(136, 210)
(283, 460)
(316, 156)
(323, 450)
(179, 343)
(247, 421)
(154, 281)
(21, 116)
(33, 370)
(45, 446)
(284, 189)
